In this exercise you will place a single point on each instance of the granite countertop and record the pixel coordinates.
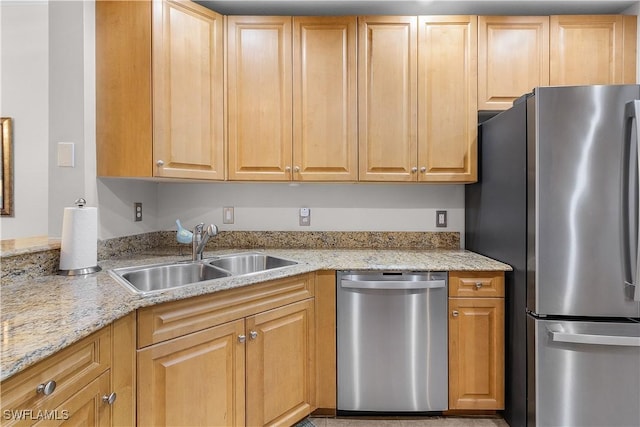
(43, 315)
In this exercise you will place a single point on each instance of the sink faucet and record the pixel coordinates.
(200, 238)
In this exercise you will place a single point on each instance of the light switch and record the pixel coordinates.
(66, 157)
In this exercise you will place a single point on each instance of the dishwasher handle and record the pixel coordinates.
(393, 284)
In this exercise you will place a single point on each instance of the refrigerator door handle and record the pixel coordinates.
(567, 337)
(630, 208)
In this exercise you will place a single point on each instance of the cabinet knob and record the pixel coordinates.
(46, 388)
(242, 338)
(423, 169)
(455, 313)
(414, 169)
(296, 168)
(478, 285)
(253, 335)
(160, 163)
(109, 398)
(287, 168)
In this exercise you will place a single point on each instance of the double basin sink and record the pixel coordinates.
(159, 277)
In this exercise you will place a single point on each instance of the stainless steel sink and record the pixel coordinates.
(239, 264)
(167, 276)
(160, 277)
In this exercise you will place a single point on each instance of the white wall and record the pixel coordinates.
(25, 98)
(339, 207)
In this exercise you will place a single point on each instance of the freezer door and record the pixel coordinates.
(576, 222)
(586, 374)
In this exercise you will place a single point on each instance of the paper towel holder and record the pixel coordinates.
(80, 271)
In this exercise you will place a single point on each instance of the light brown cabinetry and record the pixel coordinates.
(259, 91)
(513, 58)
(324, 99)
(159, 88)
(252, 350)
(387, 88)
(87, 383)
(417, 118)
(292, 98)
(447, 93)
(518, 53)
(325, 311)
(593, 49)
(476, 340)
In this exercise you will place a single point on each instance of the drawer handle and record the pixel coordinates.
(46, 388)
(478, 285)
(253, 335)
(455, 313)
(242, 338)
(109, 399)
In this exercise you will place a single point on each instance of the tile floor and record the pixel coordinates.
(410, 422)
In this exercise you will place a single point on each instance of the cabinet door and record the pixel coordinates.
(85, 408)
(324, 99)
(476, 353)
(259, 91)
(281, 365)
(588, 50)
(124, 133)
(197, 377)
(513, 58)
(387, 86)
(447, 98)
(188, 93)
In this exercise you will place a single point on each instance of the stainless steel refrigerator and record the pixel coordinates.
(557, 198)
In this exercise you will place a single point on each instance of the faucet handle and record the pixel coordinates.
(212, 230)
(199, 228)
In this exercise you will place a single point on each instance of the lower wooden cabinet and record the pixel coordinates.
(88, 383)
(280, 365)
(255, 370)
(193, 378)
(476, 341)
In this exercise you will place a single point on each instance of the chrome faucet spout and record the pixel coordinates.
(200, 239)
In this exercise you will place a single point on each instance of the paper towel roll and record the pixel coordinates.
(79, 245)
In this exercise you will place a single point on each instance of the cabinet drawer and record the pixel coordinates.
(71, 369)
(163, 322)
(476, 284)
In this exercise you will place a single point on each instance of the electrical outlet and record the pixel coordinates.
(441, 218)
(305, 216)
(227, 215)
(137, 211)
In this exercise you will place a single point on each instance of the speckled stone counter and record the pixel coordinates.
(45, 314)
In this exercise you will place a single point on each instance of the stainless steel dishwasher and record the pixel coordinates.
(392, 341)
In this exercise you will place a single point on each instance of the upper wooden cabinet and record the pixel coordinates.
(324, 99)
(259, 90)
(597, 49)
(159, 88)
(447, 93)
(518, 53)
(387, 87)
(417, 118)
(513, 58)
(188, 91)
(292, 98)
